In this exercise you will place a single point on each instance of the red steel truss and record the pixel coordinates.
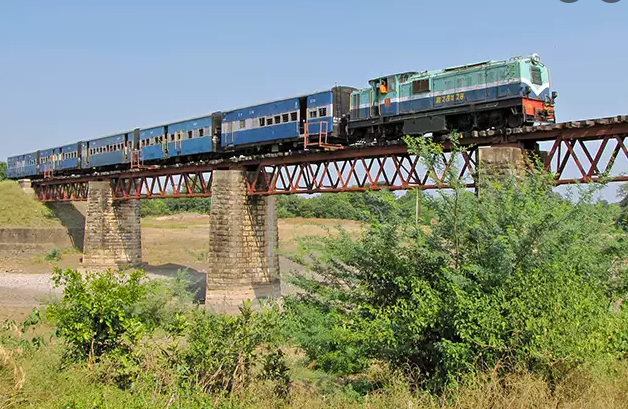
(575, 152)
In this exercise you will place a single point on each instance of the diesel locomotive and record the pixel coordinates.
(480, 96)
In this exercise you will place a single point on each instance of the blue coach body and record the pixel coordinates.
(190, 137)
(49, 160)
(69, 157)
(153, 143)
(22, 166)
(320, 112)
(108, 151)
(258, 124)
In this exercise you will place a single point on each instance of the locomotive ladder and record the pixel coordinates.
(322, 137)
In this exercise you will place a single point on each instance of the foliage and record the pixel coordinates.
(517, 277)
(320, 331)
(22, 334)
(369, 206)
(54, 255)
(622, 219)
(3, 171)
(223, 349)
(100, 313)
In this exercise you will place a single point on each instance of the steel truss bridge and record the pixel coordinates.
(576, 152)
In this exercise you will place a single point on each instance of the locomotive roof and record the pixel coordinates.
(449, 69)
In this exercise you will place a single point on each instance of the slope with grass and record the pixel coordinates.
(18, 209)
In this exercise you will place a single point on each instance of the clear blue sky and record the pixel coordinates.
(74, 70)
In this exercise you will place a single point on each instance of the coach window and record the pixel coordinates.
(322, 112)
(285, 118)
(242, 123)
(293, 116)
(262, 122)
(313, 114)
(277, 119)
(269, 120)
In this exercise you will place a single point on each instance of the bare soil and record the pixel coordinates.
(169, 243)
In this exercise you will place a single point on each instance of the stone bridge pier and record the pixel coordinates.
(243, 239)
(506, 160)
(113, 234)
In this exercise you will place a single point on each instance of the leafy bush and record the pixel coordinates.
(54, 255)
(517, 277)
(223, 350)
(321, 333)
(3, 171)
(99, 313)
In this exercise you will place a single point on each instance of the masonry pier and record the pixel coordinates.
(113, 235)
(243, 239)
(502, 161)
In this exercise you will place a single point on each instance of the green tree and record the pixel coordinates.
(623, 204)
(517, 276)
(3, 170)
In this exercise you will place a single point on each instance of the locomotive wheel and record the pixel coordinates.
(462, 123)
(515, 120)
(497, 120)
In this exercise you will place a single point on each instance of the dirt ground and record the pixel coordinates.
(169, 243)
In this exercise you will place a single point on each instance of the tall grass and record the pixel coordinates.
(38, 380)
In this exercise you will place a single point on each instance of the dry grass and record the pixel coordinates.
(183, 239)
(37, 381)
(20, 210)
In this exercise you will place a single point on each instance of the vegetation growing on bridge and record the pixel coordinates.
(514, 295)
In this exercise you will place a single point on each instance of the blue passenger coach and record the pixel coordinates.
(49, 160)
(152, 142)
(22, 166)
(192, 136)
(286, 120)
(69, 157)
(268, 122)
(184, 138)
(108, 151)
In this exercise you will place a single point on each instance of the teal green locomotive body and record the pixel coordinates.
(490, 94)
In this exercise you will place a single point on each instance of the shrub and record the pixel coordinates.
(223, 350)
(517, 276)
(99, 313)
(54, 255)
(321, 333)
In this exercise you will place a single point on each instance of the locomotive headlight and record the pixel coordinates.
(536, 58)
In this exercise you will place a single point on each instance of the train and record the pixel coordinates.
(480, 96)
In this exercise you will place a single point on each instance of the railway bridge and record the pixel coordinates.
(243, 235)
